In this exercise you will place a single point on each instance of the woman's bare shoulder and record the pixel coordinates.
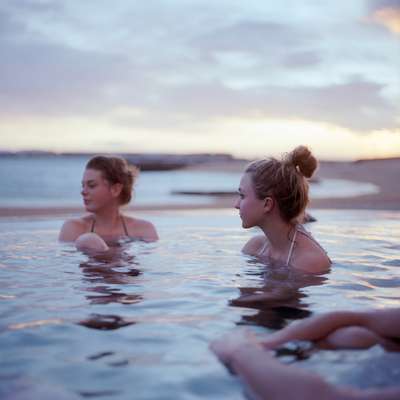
(73, 228)
(255, 245)
(141, 228)
(310, 257)
(313, 262)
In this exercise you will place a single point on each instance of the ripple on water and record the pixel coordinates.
(358, 287)
(384, 283)
(392, 263)
(100, 355)
(99, 393)
(35, 324)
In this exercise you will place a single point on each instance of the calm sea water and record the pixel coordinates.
(55, 181)
(137, 325)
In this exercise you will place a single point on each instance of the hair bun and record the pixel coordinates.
(303, 160)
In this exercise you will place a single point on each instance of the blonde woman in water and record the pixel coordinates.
(107, 185)
(273, 195)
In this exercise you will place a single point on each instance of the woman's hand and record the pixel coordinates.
(228, 345)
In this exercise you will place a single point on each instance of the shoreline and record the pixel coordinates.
(382, 173)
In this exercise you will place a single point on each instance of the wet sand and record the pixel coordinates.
(382, 172)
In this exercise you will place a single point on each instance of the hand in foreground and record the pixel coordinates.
(229, 344)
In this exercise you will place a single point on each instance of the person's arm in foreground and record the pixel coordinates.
(267, 378)
(381, 323)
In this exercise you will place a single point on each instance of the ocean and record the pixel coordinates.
(48, 181)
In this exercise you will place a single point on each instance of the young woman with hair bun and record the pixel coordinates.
(106, 186)
(273, 195)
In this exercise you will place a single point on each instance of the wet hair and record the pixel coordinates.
(285, 180)
(116, 170)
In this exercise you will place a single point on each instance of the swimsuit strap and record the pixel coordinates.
(291, 246)
(261, 252)
(93, 224)
(124, 225)
(309, 236)
(303, 231)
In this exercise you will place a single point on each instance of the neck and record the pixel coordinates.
(279, 233)
(109, 216)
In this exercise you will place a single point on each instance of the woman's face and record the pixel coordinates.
(251, 208)
(96, 191)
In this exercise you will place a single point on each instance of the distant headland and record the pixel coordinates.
(144, 161)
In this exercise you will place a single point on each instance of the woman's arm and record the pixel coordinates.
(384, 323)
(254, 245)
(71, 230)
(141, 228)
(314, 328)
(267, 378)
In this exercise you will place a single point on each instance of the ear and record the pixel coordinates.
(269, 203)
(116, 189)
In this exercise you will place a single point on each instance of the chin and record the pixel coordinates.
(244, 225)
(90, 208)
(248, 225)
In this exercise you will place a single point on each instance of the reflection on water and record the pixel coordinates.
(105, 274)
(277, 294)
(105, 322)
(99, 393)
(109, 295)
(274, 317)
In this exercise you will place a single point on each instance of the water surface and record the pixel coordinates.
(138, 324)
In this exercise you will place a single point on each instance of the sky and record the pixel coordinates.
(250, 78)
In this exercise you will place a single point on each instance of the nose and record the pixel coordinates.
(236, 204)
(83, 191)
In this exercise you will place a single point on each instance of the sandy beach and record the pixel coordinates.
(383, 173)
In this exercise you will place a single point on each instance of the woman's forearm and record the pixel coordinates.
(268, 378)
(314, 328)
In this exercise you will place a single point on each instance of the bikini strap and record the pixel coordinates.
(261, 252)
(292, 246)
(93, 224)
(124, 225)
(309, 236)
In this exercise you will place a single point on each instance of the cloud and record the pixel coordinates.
(357, 104)
(43, 78)
(301, 59)
(386, 13)
(33, 5)
(379, 4)
(264, 38)
(169, 69)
